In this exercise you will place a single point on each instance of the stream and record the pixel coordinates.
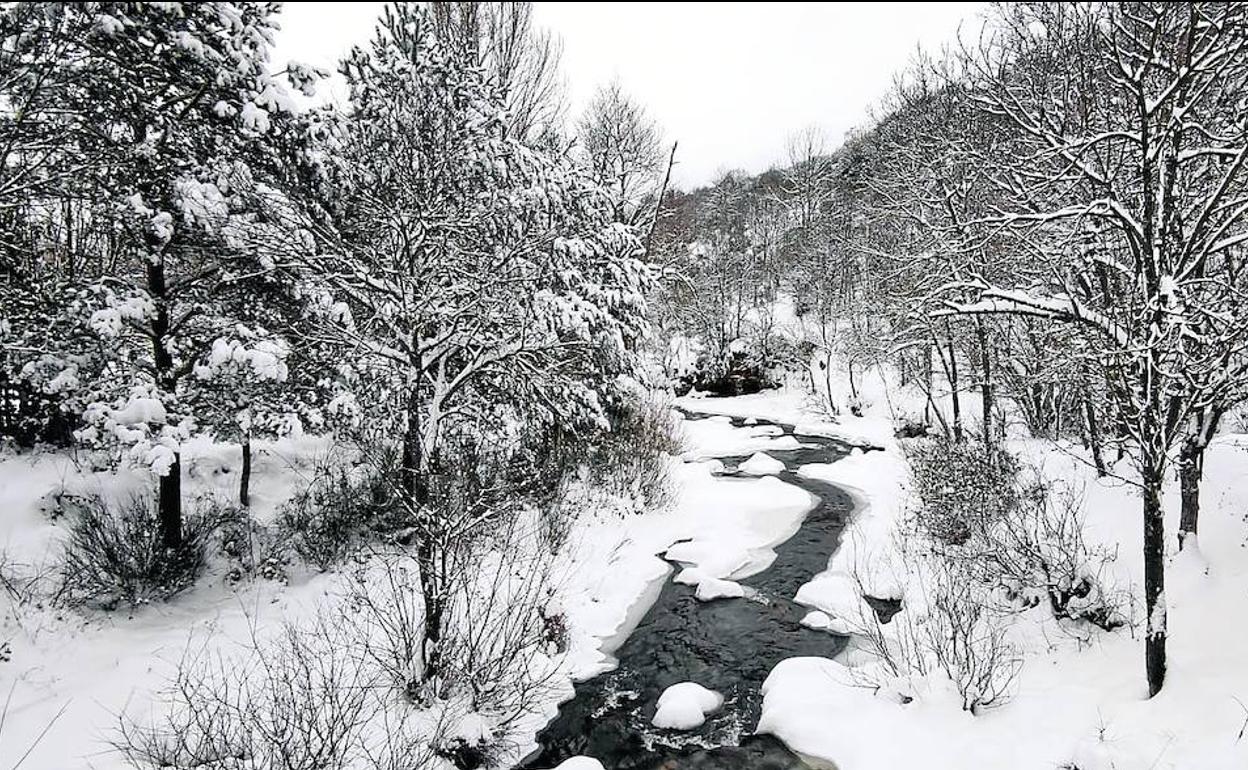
(727, 645)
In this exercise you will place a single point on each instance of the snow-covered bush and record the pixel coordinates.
(948, 639)
(492, 655)
(745, 365)
(1006, 527)
(962, 488)
(252, 549)
(497, 633)
(966, 641)
(386, 602)
(334, 514)
(115, 554)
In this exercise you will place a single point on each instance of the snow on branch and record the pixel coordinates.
(998, 301)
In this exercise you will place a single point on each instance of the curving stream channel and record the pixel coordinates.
(727, 645)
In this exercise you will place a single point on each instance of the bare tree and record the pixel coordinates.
(520, 58)
(620, 145)
(1126, 174)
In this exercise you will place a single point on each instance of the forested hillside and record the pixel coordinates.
(369, 434)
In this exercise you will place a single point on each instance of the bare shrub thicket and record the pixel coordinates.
(341, 507)
(962, 488)
(498, 639)
(633, 459)
(494, 645)
(303, 700)
(115, 554)
(946, 631)
(346, 691)
(1004, 526)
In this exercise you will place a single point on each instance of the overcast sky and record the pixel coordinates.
(729, 81)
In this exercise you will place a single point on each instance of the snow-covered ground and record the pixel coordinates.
(1078, 702)
(71, 673)
(1080, 698)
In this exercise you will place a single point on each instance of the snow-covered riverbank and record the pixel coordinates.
(1080, 698)
(72, 673)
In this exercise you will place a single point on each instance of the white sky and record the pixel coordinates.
(729, 81)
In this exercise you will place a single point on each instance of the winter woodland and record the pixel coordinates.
(438, 428)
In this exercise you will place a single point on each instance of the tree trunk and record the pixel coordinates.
(244, 481)
(1190, 460)
(1094, 435)
(1192, 470)
(986, 366)
(1095, 440)
(170, 495)
(415, 490)
(927, 380)
(1154, 583)
(171, 505)
(953, 392)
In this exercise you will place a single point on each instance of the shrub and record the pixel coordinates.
(1005, 526)
(390, 614)
(116, 555)
(962, 487)
(295, 702)
(633, 459)
(337, 512)
(951, 634)
(253, 550)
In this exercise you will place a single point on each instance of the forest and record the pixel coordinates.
(440, 429)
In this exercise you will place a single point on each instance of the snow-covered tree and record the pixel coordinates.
(1126, 174)
(620, 145)
(164, 113)
(481, 287)
(521, 59)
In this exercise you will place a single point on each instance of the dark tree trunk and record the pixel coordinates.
(1094, 434)
(171, 505)
(1191, 457)
(953, 392)
(428, 539)
(1192, 470)
(927, 381)
(170, 496)
(986, 365)
(244, 481)
(1094, 437)
(1154, 583)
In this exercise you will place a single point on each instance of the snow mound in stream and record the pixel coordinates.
(580, 763)
(685, 706)
(836, 595)
(761, 464)
(821, 621)
(714, 588)
(709, 587)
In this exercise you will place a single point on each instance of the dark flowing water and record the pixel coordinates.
(727, 645)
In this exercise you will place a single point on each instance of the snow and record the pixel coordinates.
(139, 410)
(710, 589)
(580, 763)
(716, 436)
(836, 595)
(685, 706)
(821, 621)
(1080, 698)
(761, 464)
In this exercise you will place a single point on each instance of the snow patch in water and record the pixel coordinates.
(685, 706)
